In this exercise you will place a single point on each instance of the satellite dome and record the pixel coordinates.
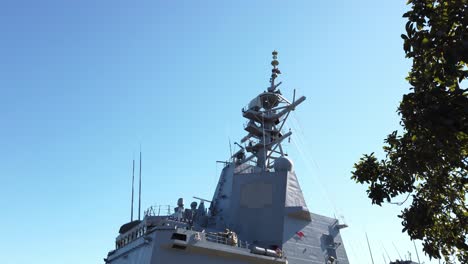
(283, 164)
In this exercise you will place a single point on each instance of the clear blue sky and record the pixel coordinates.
(83, 83)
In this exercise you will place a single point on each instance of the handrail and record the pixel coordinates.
(222, 239)
(159, 210)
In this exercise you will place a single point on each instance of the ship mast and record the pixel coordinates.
(274, 72)
(266, 114)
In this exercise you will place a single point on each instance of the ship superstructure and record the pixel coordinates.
(257, 214)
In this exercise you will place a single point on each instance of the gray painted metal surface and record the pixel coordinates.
(257, 215)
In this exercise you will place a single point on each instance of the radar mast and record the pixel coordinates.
(266, 114)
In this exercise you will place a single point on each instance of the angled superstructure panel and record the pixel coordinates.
(313, 241)
(294, 196)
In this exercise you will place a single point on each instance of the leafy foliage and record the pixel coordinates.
(429, 160)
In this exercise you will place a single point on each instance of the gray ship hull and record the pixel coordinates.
(158, 244)
(159, 247)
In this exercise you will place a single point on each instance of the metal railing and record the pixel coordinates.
(159, 210)
(221, 239)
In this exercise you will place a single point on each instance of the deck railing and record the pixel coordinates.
(159, 210)
(221, 239)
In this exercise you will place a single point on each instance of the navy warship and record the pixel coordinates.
(257, 214)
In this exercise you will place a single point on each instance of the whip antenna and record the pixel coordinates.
(139, 190)
(133, 189)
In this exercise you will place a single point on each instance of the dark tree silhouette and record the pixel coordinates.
(428, 160)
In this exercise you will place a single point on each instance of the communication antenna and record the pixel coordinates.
(389, 258)
(133, 189)
(230, 146)
(139, 190)
(370, 251)
(416, 250)
(397, 250)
